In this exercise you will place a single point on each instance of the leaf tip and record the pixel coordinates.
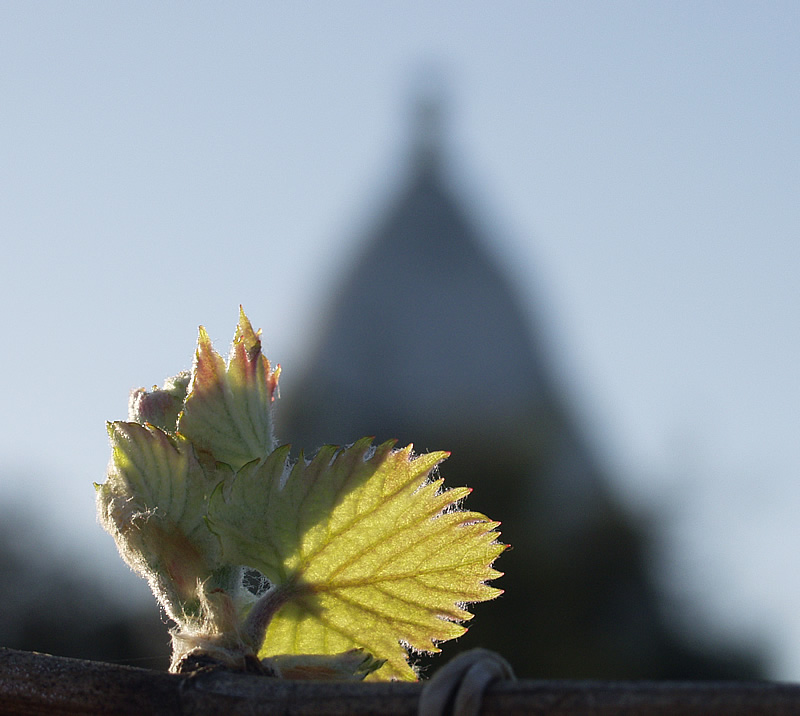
(245, 335)
(273, 382)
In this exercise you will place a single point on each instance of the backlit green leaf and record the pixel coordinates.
(369, 550)
(228, 411)
(154, 504)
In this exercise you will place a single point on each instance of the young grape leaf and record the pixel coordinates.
(365, 548)
(353, 665)
(228, 410)
(153, 504)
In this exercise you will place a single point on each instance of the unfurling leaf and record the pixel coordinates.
(228, 412)
(353, 665)
(367, 547)
(154, 505)
(160, 406)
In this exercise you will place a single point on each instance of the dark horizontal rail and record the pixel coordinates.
(32, 683)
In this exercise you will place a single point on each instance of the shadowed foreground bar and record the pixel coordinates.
(33, 683)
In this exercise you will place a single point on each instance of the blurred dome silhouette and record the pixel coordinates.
(426, 341)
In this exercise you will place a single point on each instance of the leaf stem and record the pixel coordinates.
(262, 612)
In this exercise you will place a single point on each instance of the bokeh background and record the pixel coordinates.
(630, 170)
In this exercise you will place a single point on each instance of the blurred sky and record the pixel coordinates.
(161, 163)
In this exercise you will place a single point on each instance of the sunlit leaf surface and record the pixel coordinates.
(370, 548)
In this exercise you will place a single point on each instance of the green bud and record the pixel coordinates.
(160, 407)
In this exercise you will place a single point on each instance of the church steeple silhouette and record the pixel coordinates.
(427, 342)
(427, 138)
(426, 330)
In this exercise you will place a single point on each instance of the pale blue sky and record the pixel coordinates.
(163, 162)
